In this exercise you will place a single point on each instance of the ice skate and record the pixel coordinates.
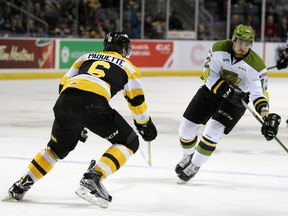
(91, 188)
(188, 173)
(185, 161)
(18, 189)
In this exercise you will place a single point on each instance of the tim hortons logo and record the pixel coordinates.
(15, 54)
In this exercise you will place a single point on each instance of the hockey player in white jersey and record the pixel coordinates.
(232, 72)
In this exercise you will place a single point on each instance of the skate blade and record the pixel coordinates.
(180, 181)
(9, 198)
(85, 194)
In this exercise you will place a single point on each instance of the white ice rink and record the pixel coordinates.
(245, 176)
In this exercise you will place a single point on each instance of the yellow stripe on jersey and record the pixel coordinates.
(94, 85)
(132, 71)
(205, 75)
(266, 94)
(259, 101)
(78, 64)
(133, 93)
(138, 110)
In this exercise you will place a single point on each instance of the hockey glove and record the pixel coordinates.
(281, 64)
(148, 131)
(83, 135)
(270, 126)
(283, 60)
(235, 95)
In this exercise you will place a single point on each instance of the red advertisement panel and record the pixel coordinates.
(27, 53)
(152, 53)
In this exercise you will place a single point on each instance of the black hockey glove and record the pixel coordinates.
(283, 60)
(270, 126)
(281, 64)
(83, 135)
(235, 95)
(148, 131)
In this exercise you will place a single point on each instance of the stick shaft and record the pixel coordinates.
(149, 154)
(269, 68)
(261, 122)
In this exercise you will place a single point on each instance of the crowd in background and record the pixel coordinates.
(276, 18)
(58, 18)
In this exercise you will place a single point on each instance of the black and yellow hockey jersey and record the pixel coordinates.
(105, 74)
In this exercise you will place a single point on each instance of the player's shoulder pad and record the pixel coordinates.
(222, 45)
(255, 61)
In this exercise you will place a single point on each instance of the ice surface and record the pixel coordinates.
(246, 175)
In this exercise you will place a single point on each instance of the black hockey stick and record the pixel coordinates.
(261, 122)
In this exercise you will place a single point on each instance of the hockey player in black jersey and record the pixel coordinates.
(282, 61)
(232, 72)
(83, 102)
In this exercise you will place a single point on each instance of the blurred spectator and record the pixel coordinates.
(283, 29)
(15, 25)
(203, 34)
(236, 19)
(110, 3)
(96, 17)
(135, 20)
(175, 23)
(281, 7)
(250, 21)
(159, 25)
(148, 27)
(271, 29)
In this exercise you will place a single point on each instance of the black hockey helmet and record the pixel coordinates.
(118, 42)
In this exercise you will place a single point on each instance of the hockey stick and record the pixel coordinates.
(269, 68)
(261, 122)
(149, 160)
(149, 154)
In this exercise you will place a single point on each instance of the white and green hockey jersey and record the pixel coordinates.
(249, 73)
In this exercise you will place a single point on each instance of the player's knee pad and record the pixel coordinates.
(132, 142)
(214, 131)
(188, 130)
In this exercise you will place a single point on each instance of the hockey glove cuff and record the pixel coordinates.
(270, 126)
(147, 131)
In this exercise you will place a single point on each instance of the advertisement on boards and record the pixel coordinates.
(152, 54)
(35, 53)
(71, 50)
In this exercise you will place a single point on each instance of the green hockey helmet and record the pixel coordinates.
(244, 32)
